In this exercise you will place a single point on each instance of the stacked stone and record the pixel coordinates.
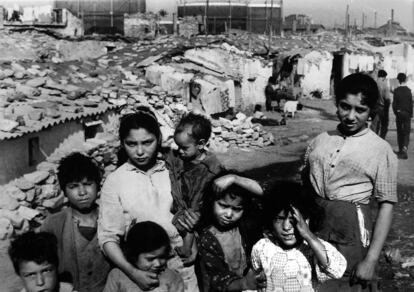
(27, 200)
(239, 133)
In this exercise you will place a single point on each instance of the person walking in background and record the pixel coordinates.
(402, 106)
(381, 113)
(271, 91)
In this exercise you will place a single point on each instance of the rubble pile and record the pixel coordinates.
(35, 93)
(239, 132)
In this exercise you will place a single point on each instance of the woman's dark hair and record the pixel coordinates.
(382, 73)
(143, 118)
(234, 191)
(283, 195)
(75, 167)
(145, 237)
(257, 107)
(358, 83)
(272, 80)
(401, 77)
(34, 247)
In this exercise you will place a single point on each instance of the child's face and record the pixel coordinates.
(284, 229)
(228, 210)
(188, 148)
(141, 148)
(81, 194)
(37, 277)
(154, 261)
(353, 114)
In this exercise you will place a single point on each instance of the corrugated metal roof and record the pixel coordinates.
(49, 122)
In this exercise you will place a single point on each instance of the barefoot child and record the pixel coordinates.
(292, 257)
(226, 242)
(35, 260)
(147, 247)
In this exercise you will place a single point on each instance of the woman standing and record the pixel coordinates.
(345, 168)
(139, 190)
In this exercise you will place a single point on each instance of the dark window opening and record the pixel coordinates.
(92, 128)
(34, 151)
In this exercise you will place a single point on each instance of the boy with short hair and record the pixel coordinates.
(196, 169)
(35, 260)
(81, 259)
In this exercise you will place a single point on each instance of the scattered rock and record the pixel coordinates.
(23, 184)
(7, 202)
(37, 176)
(8, 125)
(6, 229)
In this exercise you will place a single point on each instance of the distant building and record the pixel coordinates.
(251, 15)
(392, 28)
(103, 16)
(79, 16)
(300, 19)
(300, 23)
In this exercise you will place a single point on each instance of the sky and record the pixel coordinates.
(326, 12)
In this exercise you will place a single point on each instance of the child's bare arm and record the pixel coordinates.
(222, 183)
(313, 241)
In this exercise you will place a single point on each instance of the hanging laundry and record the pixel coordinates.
(301, 67)
(353, 62)
(371, 63)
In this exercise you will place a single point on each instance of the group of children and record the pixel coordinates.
(213, 212)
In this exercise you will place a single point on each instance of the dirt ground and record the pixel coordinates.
(282, 161)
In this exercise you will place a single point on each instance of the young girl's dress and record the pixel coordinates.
(296, 269)
(225, 255)
(119, 282)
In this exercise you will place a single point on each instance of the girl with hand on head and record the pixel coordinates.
(228, 235)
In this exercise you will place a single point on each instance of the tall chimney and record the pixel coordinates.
(375, 20)
(363, 21)
(392, 16)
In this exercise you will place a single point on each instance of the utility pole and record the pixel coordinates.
(112, 14)
(375, 19)
(281, 18)
(229, 16)
(205, 19)
(347, 21)
(266, 20)
(271, 26)
(363, 21)
(79, 12)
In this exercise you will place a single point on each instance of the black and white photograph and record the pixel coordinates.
(206, 146)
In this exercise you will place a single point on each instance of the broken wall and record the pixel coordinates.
(15, 152)
(188, 27)
(139, 27)
(236, 65)
(74, 26)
